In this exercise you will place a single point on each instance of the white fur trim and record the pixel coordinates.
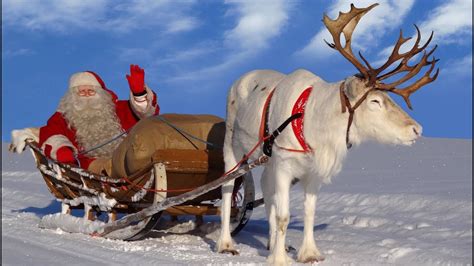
(56, 142)
(140, 99)
(19, 137)
(83, 78)
(142, 105)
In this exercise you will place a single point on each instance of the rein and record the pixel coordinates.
(345, 106)
(76, 155)
(270, 139)
(182, 132)
(345, 103)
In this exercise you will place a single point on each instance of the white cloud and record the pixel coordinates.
(383, 55)
(184, 24)
(212, 71)
(451, 22)
(258, 22)
(99, 15)
(171, 16)
(388, 15)
(133, 54)
(199, 50)
(459, 66)
(55, 15)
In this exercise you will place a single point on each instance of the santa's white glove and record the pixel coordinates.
(19, 137)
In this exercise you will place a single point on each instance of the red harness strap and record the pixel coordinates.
(263, 121)
(297, 124)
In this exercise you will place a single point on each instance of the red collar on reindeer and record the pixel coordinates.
(296, 119)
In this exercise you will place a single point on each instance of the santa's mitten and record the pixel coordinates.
(20, 136)
(136, 80)
(65, 155)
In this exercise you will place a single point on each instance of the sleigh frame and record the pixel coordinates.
(170, 174)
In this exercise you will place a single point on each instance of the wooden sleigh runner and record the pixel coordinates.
(175, 182)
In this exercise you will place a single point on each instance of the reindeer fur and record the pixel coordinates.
(378, 118)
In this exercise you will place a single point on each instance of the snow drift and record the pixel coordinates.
(389, 205)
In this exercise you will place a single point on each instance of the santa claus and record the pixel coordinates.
(90, 121)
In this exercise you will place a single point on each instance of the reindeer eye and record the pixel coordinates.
(375, 101)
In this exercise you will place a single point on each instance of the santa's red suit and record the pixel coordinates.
(65, 136)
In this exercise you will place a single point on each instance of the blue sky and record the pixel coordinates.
(192, 51)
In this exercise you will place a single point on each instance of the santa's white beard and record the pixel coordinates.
(95, 121)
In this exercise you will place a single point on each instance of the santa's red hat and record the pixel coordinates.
(89, 78)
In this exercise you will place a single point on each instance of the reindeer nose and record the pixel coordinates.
(417, 129)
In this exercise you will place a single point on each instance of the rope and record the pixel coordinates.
(76, 155)
(125, 132)
(103, 144)
(244, 159)
(186, 133)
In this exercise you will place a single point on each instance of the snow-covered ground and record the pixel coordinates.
(389, 205)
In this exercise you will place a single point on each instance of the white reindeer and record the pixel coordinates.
(336, 115)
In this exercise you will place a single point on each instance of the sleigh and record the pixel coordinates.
(175, 183)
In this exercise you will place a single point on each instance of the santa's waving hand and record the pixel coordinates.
(142, 104)
(90, 114)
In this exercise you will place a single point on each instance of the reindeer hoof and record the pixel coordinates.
(309, 255)
(313, 259)
(226, 247)
(230, 251)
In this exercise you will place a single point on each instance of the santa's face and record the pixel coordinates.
(86, 97)
(86, 91)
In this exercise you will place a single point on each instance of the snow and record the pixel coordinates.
(389, 205)
(69, 223)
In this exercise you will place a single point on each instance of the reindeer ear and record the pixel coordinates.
(354, 87)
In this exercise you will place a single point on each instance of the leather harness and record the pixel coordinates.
(345, 103)
(296, 120)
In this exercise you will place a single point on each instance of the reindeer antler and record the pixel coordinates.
(346, 23)
(404, 67)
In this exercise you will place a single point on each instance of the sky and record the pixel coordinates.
(192, 51)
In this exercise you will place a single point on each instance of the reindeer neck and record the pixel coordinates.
(325, 124)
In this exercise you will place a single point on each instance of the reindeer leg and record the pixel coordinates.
(268, 189)
(282, 180)
(225, 243)
(308, 251)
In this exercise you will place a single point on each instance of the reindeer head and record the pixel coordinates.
(379, 116)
